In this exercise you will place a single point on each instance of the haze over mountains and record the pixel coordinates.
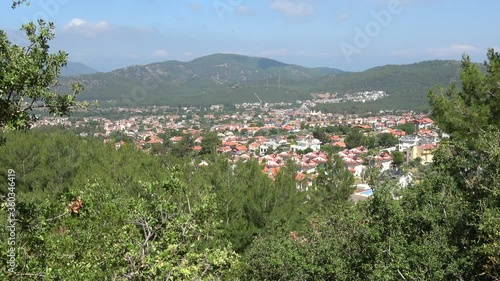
(229, 78)
(76, 68)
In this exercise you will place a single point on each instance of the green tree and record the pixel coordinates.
(278, 257)
(304, 151)
(118, 136)
(370, 141)
(408, 128)
(320, 134)
(342, 130)
(273, 131)
(474, 108)
(183, 147)
(335, 182)
(398, 158)
(210, 142)
(464, 183)
(270, 150)
(250, 202)
(139, 220)
(386, 140)
(354, 138)
(261, 133)
(27, 76)
(259, 124)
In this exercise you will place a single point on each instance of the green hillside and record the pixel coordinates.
(228, 78)
(407, 85)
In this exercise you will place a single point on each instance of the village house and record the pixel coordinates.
(424, 152)
(306, 143)
(408, 141)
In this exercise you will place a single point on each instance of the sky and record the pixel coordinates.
(351, 35)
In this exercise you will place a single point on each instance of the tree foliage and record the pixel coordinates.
(137, 221)
(408, 128)
(398, 157)
(27, 76)
(320, 134)
(210, 142)
(354, 138)
(386, 140)
(474, 108)
(335, 183)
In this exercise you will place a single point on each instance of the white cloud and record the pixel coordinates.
(90, 29)
(453, 50)
(188, 54)
(292, 8)
(160, 53)
(342, 17)
(75, 23)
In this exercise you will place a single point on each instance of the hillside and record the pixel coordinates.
(228, 78)
(407, 85)
(76, 68)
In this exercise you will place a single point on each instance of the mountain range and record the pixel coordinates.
(76, 68)
(229, 79)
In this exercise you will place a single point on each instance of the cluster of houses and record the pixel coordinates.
(243, 135)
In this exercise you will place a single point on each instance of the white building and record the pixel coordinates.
(408, 141)
(304, 144)
(271, 144)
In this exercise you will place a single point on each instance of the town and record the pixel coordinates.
(367, 143)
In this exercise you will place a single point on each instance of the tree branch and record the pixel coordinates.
(30, 274)
(401, 274)
(149, 232)
(61, 215)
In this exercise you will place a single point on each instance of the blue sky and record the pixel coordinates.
(351, 35)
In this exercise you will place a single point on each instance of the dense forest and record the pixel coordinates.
(75, 208)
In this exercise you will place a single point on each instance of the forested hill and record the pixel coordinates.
(228, 78)
(407, 85)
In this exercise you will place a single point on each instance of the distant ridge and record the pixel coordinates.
(76, 68)
(231, 78)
